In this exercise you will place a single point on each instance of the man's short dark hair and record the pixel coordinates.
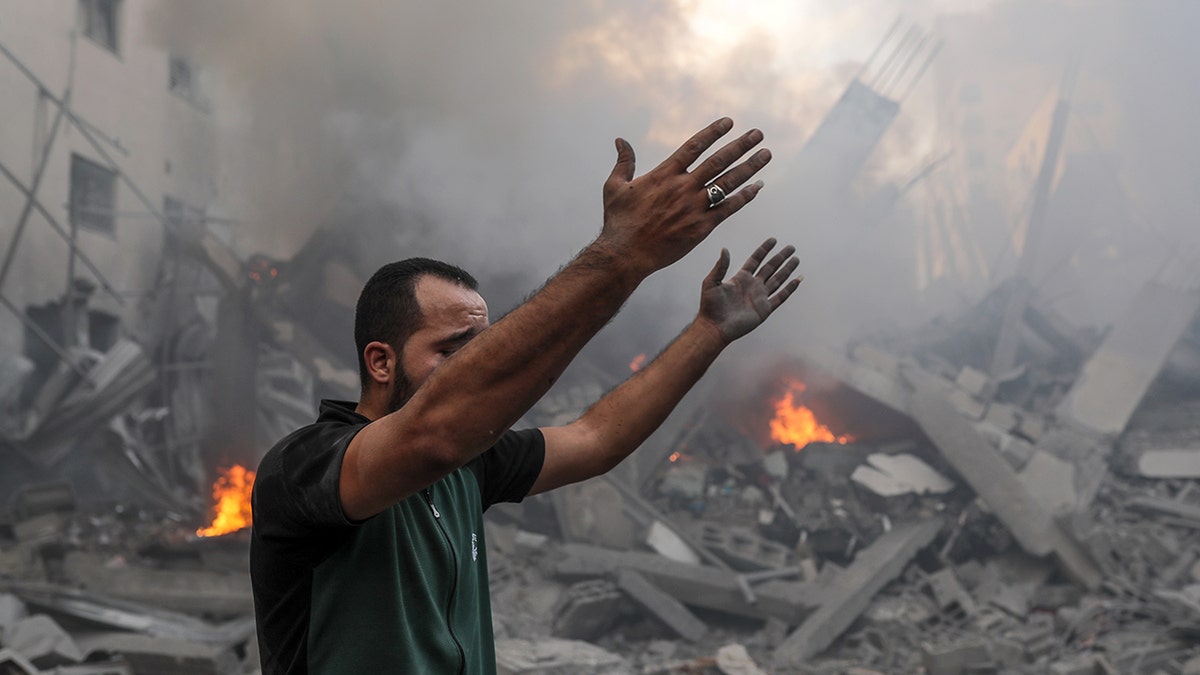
(387, 308)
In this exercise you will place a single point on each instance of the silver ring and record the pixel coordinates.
(715, 195)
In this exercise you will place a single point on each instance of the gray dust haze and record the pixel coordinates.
(484, 131)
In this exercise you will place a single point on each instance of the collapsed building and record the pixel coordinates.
(1001, 489)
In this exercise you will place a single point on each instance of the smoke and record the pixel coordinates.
(488, 127)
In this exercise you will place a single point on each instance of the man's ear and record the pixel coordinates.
(381, 362)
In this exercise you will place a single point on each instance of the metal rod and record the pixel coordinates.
(63, 233)
(887, 64)
(40, 85)
(895, 80)
(878, 48)
(31, 195)
(69, 316)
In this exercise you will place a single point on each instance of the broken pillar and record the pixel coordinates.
(1033, 526)
(1118, 375)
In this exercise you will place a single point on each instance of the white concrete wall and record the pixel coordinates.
(170, 148)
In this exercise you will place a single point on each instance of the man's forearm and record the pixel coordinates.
(627, 415)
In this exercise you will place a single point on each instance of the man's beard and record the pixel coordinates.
(402, 390)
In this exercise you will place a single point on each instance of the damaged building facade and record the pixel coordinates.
(1009, 487)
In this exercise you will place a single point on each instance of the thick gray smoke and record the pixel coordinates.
(489, 125)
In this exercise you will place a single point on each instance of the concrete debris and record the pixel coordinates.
(667, 609)
(1170, 463)
(43, 642)
(1119, 374)
(852, 591)
(735, 660)
(893, 475)
(551, 656)
(588, 610)
(1036, 516)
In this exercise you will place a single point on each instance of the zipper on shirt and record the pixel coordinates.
(429, 500)
(437, 518)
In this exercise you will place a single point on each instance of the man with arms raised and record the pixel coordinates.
(367, 551)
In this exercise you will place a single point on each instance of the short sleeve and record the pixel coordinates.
(296, 490)
(506, 471)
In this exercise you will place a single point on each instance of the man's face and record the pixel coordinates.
(450, 316)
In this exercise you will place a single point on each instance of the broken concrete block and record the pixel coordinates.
(1050, 481)
(893, 475)
(667, 609)
(974, 382)
(146, 654)
(1001, 489)
(742, 548)
(40, 639)
(12, 663)
(1170, 463)
(12, 610)
(550, 656)
(948, 592)
(956, 658)
(735, 660)
(1003, 416)
(1081, 664)
(664, 541)
(969, 406)
(694, 585)
(588, 610)
(845, 598)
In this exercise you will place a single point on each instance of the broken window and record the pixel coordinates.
(98, 19)
(93, 196)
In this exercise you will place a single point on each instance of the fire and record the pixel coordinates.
(675, 456)
(637, 362)
(796, 424)
(231, 492)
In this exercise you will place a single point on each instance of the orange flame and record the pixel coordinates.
(637, 362)
(796, 425)
(231, 492)
(675, 456)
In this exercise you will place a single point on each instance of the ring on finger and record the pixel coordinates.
(715, 194)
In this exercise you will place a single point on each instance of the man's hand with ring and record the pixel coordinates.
(654, 220)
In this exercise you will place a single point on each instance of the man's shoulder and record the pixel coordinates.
(335, 423)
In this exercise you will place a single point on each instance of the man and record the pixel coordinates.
(367, 552)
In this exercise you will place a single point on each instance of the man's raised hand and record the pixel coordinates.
(742, 303)
(655, 219)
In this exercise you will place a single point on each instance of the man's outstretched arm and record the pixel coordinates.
(649, 223)
(618, 423)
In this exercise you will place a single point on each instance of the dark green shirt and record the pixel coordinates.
(405, 591)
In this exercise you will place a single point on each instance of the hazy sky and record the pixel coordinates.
(493, 122)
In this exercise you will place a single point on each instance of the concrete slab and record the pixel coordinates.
(1032, 525)
(849, 594)
(1051, 481)
(695, 585)
(1115, 379)
(892, 475)
(671, 612)
(1182, 463)
(551, 656)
